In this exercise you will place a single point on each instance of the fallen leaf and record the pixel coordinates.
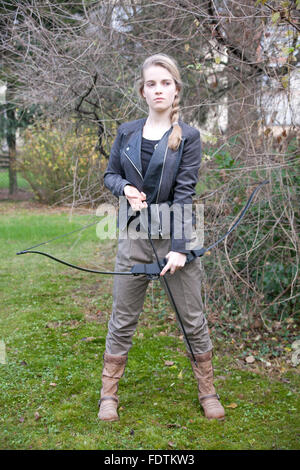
(257, 324)
(232, 405)
(88, 338)
(53, 324)
(180, 375)
(296, 357)
(267, 363)
(169, 363)
(296, 344)
(250, 359)
(171, 444)
(53, 384)
(37, 416)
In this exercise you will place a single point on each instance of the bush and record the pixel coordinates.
(54, 155)
(252, 277)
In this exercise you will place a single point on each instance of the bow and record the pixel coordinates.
(152, 270)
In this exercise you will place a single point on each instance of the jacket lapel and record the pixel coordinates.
(133, 148)
(153, 175)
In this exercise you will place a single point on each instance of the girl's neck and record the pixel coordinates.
(156, 125)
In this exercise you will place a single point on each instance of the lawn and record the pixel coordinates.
(53, 323)
(4, 181)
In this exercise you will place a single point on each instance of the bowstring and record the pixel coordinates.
(58, 237)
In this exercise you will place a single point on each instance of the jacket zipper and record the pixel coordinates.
(159, 226)
(134, 166)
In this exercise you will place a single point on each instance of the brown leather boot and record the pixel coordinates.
(113, 370)
(208, 397)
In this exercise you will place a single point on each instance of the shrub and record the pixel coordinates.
(54, 155)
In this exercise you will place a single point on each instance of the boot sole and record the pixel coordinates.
(111, 419)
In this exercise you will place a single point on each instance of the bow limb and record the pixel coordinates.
(200, 252)
(151, 270)
(241, 214)
(73, 265)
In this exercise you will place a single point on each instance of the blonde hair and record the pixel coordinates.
(169, 64)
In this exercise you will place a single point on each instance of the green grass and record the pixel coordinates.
(4, 181)
(53, 321)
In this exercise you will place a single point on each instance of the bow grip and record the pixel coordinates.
(151, 269)
(195, 254)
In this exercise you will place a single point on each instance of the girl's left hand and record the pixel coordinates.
(175, 261)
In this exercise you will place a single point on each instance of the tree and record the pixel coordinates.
(80, 59)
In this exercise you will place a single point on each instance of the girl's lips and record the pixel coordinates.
(159, 99)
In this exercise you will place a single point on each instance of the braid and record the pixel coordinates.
(176, 134)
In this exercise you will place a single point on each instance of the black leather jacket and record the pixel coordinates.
(171, 176)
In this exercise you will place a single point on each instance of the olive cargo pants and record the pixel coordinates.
(129, 294)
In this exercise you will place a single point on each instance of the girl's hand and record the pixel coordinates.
(175, 261)
(136, 199)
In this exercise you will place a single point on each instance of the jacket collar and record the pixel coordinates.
(133, 148)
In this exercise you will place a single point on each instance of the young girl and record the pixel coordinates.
(156, 160)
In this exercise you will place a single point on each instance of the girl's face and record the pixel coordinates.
(159, 88)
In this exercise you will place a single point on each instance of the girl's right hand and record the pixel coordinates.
(136, 199)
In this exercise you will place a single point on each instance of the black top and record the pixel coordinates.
(147, 150)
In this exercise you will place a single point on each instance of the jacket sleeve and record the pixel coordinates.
(113, 176)
(184, 190)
